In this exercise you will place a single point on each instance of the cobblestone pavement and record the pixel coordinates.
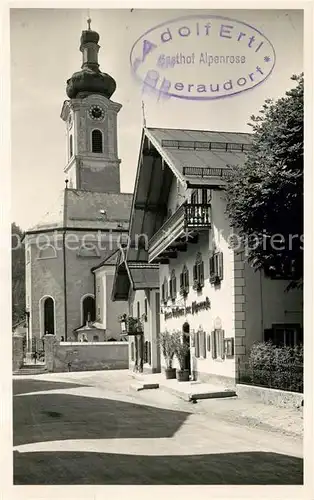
(91, 428)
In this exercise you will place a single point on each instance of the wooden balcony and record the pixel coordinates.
(178, 230)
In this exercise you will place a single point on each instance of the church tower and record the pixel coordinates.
(90, 217)
(90, 117)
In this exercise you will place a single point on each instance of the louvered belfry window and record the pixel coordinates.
(97, 141)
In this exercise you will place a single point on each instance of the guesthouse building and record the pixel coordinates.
(180, 232)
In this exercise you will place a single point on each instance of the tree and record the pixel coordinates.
(18, 274)
(265, 195)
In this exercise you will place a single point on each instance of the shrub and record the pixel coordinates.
(278, 367)
(166, 342)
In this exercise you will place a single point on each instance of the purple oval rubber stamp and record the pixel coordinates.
(202, 57)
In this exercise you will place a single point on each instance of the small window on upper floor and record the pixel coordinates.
(97, 141)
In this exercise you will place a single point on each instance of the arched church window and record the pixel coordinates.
(48, 315)
(88, 309)
(96, 141)
(71, 146)
(88, 250)
(47, 252)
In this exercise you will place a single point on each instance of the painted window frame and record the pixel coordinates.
(217, 344)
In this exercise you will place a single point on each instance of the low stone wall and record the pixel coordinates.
(274, 397)
(17, 351)
(85, 356)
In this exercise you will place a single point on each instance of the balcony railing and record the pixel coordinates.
(176, 220)
(197, 215)
(207, 172)
(206, 145)
(188, 217)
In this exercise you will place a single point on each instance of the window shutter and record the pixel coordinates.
(211, 265)
(163, 292)
(149, 353)
(220, 265)
(145, 356)
(203, 344)
(213, 344)
(197, 345)
(216, 266)
(201, 273)
(222, 344)
(186, 279)
(181, 281)
(170, 288)
(132, 351)
(208, 342)
(146, 308)
(195, 272)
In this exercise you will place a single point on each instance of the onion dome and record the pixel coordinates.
(90, 80)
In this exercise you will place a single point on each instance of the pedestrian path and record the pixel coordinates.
(189, 391)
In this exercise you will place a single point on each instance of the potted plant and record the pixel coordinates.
(181, 351)
(166, 342)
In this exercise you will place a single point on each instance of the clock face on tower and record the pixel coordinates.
(96, 112)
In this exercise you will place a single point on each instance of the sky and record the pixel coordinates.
(45, 53)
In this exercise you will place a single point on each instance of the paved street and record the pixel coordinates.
(91, 428)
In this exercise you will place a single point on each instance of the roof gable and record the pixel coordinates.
(166, 154)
